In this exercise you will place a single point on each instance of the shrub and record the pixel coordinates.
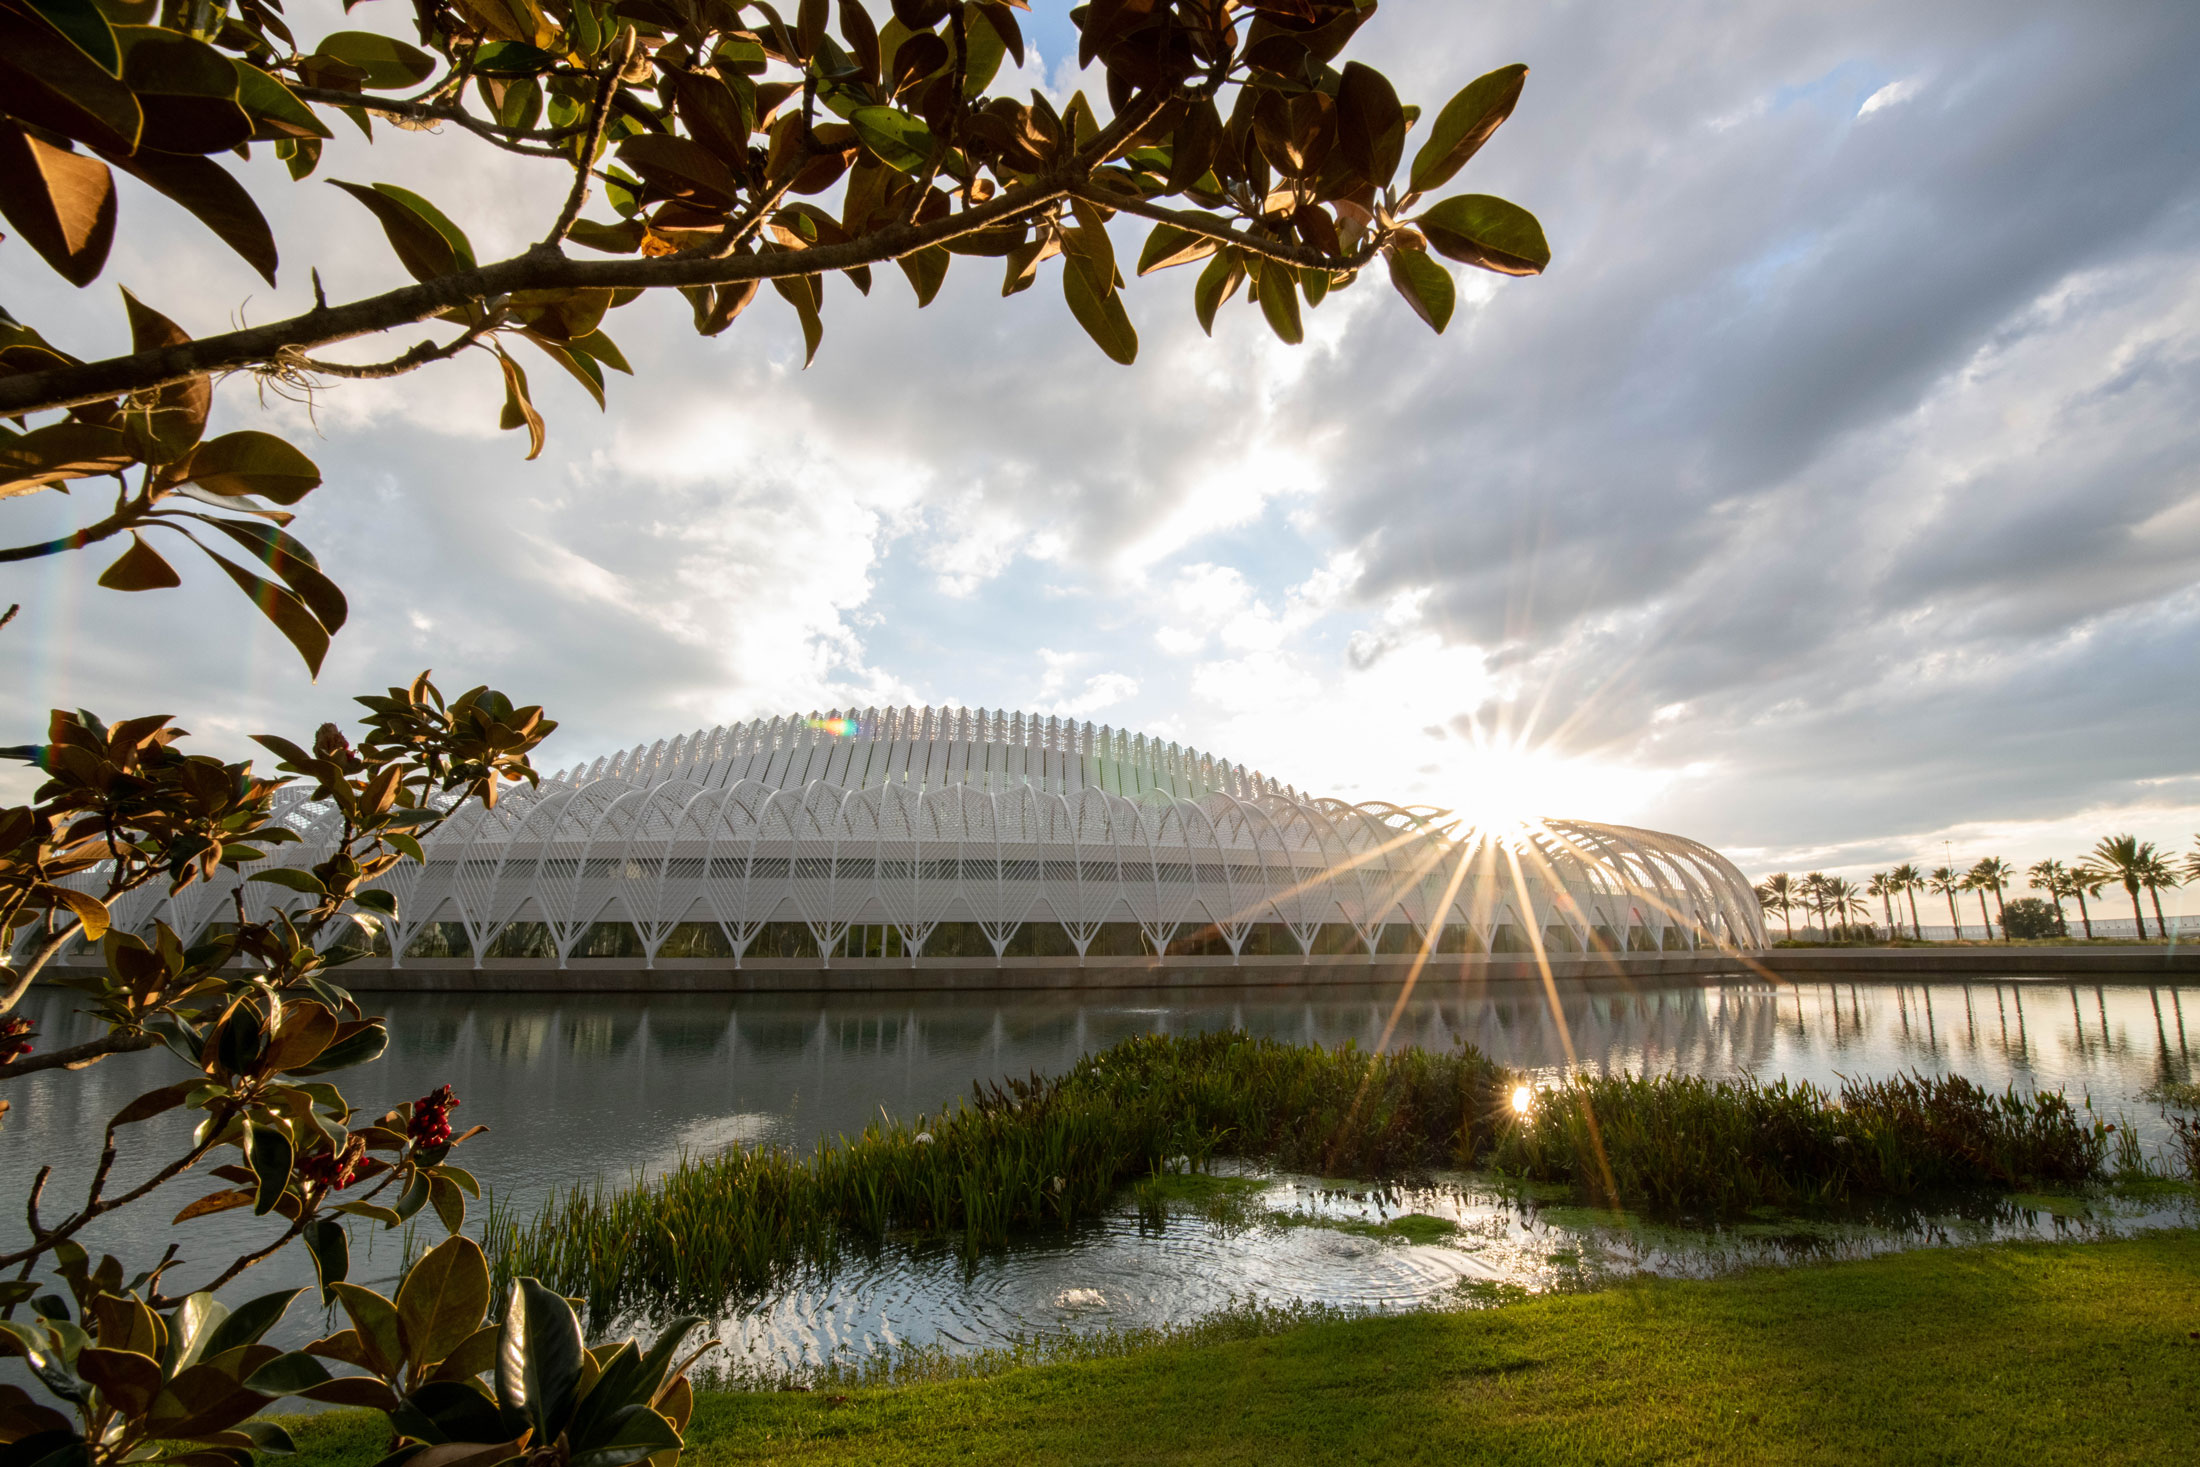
(2031, 918)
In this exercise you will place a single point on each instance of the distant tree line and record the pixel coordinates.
(1843, 908)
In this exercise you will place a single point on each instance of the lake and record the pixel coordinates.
(581, 1088)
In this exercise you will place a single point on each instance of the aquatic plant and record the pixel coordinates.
(1044, 1153)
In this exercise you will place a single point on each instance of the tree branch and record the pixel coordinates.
(97, 381)
(133, 511)
(1272, 249)
(397, 366)
(78, 1056)
(598, 115)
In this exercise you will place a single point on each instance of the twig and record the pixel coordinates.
(598, 116)
(532, 144)
(397, 366)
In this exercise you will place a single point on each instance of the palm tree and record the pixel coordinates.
(2192, 862)
(1776, 893)
(1993, 874)
(2086, 881)
(2154, 876)
(1945, 881)
(1882, 886)
(1813, 889)
(2052, 877)
(1909, 881)
(1843, 902)
(2125, 858)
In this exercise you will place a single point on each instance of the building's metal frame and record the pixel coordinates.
(912, 817)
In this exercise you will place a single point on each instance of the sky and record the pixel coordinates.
(1833, 499)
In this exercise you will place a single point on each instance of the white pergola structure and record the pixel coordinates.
(911, 818)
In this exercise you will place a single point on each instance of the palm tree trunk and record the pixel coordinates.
(2001, 910)
(1954, 920)
(1886, 905)
(1787, 916)
(1916, 930)
(1985, 919)
(2138, 914)
(2084, 915)
(2161, 928)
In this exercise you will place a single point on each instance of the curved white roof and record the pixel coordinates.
(905, 819)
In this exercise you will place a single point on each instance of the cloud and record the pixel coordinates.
(1833, 495)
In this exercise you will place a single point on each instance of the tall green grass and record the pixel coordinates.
(1043, 1153)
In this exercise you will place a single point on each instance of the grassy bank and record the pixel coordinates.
(1044, 1153)
(2040, 1353)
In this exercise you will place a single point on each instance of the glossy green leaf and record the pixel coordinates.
(1102, 316)
(1217, 283)
(539, 1359)
(275, 110)
(926, 270)
(1426, 285)
(61, 203)
(282, 607)
(375, 1319)
(269, 1152)
(1279, 302)
(899, 140)
(166, 424)
(252, 462)
(1465, 124)
(331, 1253)
(86, 28)
(384, 64)
(1170, 245)
(1486, 231)
(213, 196)
(427, 243)
(1371, 125)
(140, 568)
(442, 1300)
(250, 1321)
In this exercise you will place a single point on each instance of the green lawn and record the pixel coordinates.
(2035, 1353)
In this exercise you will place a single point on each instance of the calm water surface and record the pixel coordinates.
(581, 1088)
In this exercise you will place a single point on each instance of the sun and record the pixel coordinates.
(1504, 788)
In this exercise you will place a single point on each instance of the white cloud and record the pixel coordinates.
(1893, 94)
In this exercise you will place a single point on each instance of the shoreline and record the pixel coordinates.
(921, 975)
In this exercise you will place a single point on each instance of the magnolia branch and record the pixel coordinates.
(546, 267)
(540, 144)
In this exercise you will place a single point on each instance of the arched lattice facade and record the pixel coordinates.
(909, 823)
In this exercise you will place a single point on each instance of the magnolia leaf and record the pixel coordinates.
(427, 243)
(164, 425)
(1465, 124)
(1486, 231)
(331, 1253)
(86, 28)
(1279, 302)
(1426, 285)
(87, 909)
(268, 1150)
(61, 203)
(61, 451)
(801, 292)
(291, 878)
(293, 563)
(383, 64)
(216, 1202)
(51, 83)
(140, 568)
(442, 1300)
(213, 197)
(899, 140)
(682, 168)
(252, 462)
(1102, 316)
(1371, 125)
(1217, 283)
(289, 614)
(275, 110)
(519, 408)
(186, 89)
(926, 269)
(539, 1359)
(1170, 245)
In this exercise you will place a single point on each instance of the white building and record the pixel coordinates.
(931, 834)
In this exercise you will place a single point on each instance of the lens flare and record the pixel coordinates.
(1523, 1097)
(839, 728)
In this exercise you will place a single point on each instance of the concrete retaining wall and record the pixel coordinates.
(891, 975)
